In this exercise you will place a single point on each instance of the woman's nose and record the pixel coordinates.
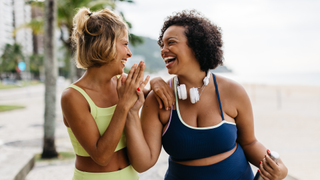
(164, 50)
(129, 54)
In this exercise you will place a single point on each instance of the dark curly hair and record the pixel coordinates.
(204, 37)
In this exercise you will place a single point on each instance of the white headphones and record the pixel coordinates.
(194, 93)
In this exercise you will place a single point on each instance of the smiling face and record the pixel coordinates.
(176, 53)
(123, 52)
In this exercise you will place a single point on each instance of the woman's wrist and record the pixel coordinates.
(123, 106)
(132, 118)
(133, 113)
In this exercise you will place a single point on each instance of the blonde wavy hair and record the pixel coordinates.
(94, 36)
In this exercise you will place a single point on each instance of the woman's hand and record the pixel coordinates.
(270, 170)
(164, 93)
(127, 87)
(136, 107)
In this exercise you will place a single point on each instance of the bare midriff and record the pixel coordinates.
(118, 161)
(208, 160)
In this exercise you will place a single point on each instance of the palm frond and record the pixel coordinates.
(101, 4)
(36, 25)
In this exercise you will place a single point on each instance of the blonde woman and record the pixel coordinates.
(95, 108)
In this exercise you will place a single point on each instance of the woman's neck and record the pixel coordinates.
(192, 79)
(97, 78)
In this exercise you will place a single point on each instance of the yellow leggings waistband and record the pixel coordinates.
(127, 173)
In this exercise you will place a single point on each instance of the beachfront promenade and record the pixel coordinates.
(287, 120)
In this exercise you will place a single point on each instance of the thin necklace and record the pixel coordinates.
(203, 86)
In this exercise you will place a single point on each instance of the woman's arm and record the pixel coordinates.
(144, 137)
(76, 112)
(163, 93)
(254, 150)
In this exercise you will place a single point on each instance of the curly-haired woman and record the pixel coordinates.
(209, 132)
(95, 108)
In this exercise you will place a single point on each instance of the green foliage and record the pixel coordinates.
(37, 3)
(36, 25)
(66, 9)
(135, 40)
(10, 86)
(151, 51)
(63, 156)
(65, 60)
(9, 107)
(12, 55)
(36, 62)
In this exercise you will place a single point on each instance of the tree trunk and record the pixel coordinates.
(73, 70)
(51, 71)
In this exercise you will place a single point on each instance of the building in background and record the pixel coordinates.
(14, 14)
(21, 16)
(6, 23)
(37, 13)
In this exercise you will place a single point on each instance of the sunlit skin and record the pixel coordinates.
(103, 87)
(175, 46)
(123, 53)
(100, 83)
(144, 142)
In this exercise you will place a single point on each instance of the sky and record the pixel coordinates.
(277, 36)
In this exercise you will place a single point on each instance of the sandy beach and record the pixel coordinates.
(287, 120)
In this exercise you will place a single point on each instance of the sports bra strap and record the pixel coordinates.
(217, 90)
(93, 107)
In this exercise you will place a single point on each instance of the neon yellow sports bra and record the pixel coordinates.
(102, 116)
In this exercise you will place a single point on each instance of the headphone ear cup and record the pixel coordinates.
(182, 92)
(194, 95)
(206, 81)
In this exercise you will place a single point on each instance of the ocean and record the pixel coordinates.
(300, 79)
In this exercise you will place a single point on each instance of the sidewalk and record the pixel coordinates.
(292, 130)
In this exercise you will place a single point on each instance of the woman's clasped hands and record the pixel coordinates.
(130, 87)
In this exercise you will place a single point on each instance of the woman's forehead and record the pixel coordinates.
(174, 32)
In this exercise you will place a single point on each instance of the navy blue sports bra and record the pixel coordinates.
(183, 142)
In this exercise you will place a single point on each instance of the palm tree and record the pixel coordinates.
(66, 10)
(51, 71)
(12, 55)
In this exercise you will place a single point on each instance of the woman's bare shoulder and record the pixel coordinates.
(72, 97)
(229, 86)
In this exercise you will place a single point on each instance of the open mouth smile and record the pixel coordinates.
(169, 60)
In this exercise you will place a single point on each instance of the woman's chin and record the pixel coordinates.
(170, 72)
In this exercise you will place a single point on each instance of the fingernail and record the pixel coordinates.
(138, 89)
(167, 108)
(260, 162)
(259, 170)
(265, 156)
(268, 151)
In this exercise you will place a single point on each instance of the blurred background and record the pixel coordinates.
(270, 47)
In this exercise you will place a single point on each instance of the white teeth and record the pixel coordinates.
(123, 62)
(167, 58)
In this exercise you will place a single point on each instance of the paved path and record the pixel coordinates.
(280, 129)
